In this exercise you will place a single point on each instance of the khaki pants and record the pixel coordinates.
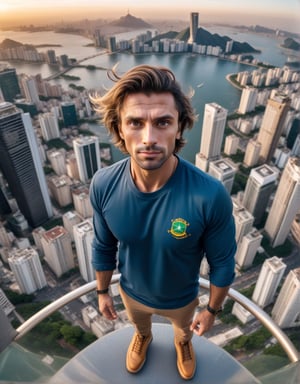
(180, 318)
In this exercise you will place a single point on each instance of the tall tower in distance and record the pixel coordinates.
(87, 154)
(213, 127)
(286, 310)
(286, 203)
(259, 187)
(9, 85)
(194, 23)
(272, 126)
(268, 281)
(21, 165)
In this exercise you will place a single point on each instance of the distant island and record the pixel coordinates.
(9, 44)
(290, 43)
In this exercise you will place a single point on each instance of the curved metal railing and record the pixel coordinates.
(261, 315)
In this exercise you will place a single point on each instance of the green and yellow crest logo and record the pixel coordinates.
(179, 228)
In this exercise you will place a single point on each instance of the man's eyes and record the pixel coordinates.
(163, 123)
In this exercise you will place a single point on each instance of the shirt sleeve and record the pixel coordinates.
(219, 239)
(104, 245)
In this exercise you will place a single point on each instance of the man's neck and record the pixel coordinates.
(152, 180)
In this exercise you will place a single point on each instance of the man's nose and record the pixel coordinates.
(149, 134)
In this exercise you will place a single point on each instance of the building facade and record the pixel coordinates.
(27, 269)
(286, 203)
(272, 126)
(87, 154)
(83, 237)
(21, 165)
(213, 127)
(268, 281)
(259, 187)
(286, 310)
(58, 250)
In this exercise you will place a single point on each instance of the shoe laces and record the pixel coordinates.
(186, 351)
(138, 343)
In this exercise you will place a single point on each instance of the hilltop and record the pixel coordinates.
(8, 43)
(130, 22)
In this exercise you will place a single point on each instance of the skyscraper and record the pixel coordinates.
(259, 187)
(9, 84)
(248, 100)
(69, 114)
(27, 269)
(30, 89)
(194, 22)
(81, 200)
(83, 236)
(213, 127)
(268, 281)
(252, 153)
(286, 203)
(247, 248)
(49, 126)
(87, 154)
(223, 170)
(286, 310)
(243, 221)
(58, 250)
(21, 165)
(272, 126)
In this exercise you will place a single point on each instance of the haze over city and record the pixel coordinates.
(271, 13)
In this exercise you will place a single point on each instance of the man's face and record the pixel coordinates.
(149, 128)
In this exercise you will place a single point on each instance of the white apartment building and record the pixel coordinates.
(223, 170)
(83, 237)
(60, 188)
(243, 221)
(286, 310)
(248, 100)
(49, 126)
(259, 187)
(57, 158)
(286, 203)
(82, 203)
(247, 248)
(27, 269)
(58, 250)
(251, 157)
(70, 219)
(231, 144)
(268, 281)
(213, 127)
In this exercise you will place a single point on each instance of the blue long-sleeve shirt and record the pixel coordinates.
(157, 240)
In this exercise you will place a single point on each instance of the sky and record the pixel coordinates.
(274, 13)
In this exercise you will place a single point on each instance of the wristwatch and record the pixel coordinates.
(213, 311)
(102, 291)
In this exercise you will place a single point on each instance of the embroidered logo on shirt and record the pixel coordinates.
(179, 228)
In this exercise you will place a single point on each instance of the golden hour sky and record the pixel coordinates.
(273, 13)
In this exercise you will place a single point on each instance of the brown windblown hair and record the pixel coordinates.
(145, 79)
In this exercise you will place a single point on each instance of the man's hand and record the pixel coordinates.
(202, 322)
(106, 307)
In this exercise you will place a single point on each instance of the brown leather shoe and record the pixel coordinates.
(186, 361)
(136, 353)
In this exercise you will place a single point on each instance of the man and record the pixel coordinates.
(157, 215)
